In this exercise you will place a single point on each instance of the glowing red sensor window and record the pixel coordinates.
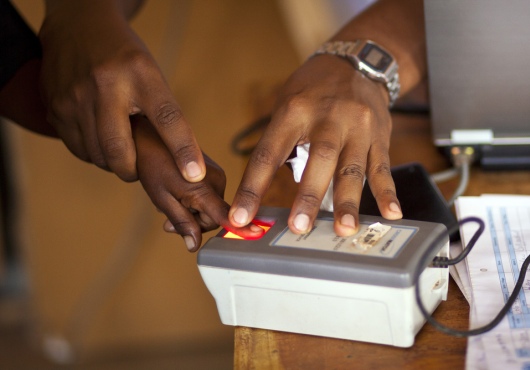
(265, 224)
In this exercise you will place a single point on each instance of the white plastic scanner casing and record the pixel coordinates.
(322, 284)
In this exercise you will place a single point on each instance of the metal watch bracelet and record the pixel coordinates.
(350, 51)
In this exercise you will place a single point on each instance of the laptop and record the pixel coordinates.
(478, 54)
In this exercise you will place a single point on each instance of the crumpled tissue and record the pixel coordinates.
(298, 164)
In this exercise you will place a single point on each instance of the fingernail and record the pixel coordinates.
(394, 207)
(301, 222)
(168, 227)
(190, 242)
(255, 228)
(193, 170)
(348, 221)
(240, 216)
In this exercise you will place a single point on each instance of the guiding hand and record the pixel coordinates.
(96, 72)
(191, 208)
(345, 118)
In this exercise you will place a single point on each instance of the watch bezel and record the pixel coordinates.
(382, 73)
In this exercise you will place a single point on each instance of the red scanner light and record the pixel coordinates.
(264, 224)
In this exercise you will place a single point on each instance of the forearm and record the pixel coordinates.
(398, 26)
(20, 100)
(85, 19)
(125, 8)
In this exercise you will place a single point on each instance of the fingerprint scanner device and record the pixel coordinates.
(357, 288)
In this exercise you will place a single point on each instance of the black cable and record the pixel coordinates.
(444, 261)
(255, 126)
(411, 109)
(441, 262)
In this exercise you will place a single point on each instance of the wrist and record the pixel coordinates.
(339, 70)
(81, 22)
(81, 15)
(369, 58)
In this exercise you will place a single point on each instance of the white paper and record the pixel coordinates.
(459, 272)
(494, 266)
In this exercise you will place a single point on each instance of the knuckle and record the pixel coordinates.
(349, 205)
(325, 150)
(168, 114)
(389, 192)
(185, 153)
(379, 169)
(297, 106)
(366, 112)
(338, 107)
(57, 109)
(114, 148)
(183, 226)
(77, 93)
(365, 115)
(134, 61)
(261, 156)
(384, 193)
(196, 195)
(310, 200)
(352, 171)
(139, 60)
(247, 194)
(102, 76)
(99, 160)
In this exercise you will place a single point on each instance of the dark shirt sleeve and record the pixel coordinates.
(18, 43)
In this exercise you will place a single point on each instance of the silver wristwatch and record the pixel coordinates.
(369, 58)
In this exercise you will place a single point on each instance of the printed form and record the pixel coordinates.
(493, 267)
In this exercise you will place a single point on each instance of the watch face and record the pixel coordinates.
(375, 57)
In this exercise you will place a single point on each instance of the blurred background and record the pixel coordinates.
(87, 275)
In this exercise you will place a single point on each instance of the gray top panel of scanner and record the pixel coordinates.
(259, 256)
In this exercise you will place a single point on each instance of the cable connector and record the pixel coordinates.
(462, 158)
(462, 155)
(439, 261)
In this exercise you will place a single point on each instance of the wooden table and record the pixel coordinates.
(267, 349)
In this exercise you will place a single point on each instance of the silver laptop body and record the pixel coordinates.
(478, 54)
